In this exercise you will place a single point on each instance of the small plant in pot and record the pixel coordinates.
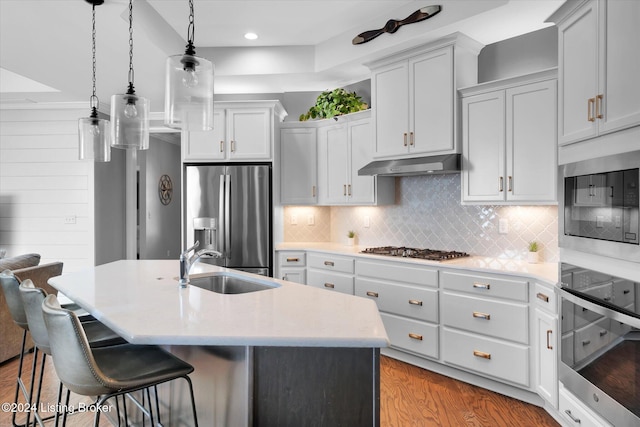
(533, 256)
(334, 103)
(351, 237)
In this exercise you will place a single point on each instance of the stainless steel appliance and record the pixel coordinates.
(401, 251)
(600, 348)
(228, 209)
(600, 204)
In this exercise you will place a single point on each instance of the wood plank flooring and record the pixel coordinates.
(410, 396)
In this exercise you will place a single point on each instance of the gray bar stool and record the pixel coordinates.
(108, 371)
(97, 333)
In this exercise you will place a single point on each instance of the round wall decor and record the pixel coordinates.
(165, 189)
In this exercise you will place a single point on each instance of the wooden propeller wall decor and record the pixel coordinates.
(392, 25)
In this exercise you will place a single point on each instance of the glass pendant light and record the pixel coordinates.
(130, 112)
(188, 102)
(94, 133)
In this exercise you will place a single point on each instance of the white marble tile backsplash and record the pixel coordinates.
(428, 214)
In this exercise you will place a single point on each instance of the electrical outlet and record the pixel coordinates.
(71, 219)
(503, 226)
(367, 221)
(294, 219)
(311, 219)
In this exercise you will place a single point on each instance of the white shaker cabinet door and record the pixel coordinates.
(362, 188)
(483, 147)
(391, 101)
(249, 134)
(298, 169)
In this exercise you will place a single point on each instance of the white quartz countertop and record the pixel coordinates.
(142, 302)
(545, 271)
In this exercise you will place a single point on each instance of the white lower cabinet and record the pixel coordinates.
(292, 266)
(575, 413)
(545, 342)
(330, 272)
(486, 356)
(411, 335)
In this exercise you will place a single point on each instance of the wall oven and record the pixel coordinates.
(599, 206)
(600, 348)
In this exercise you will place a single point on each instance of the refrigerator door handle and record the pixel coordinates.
(222, 223)
(227, 216)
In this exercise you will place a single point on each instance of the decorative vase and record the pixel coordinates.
(533, 257)
(350, 241)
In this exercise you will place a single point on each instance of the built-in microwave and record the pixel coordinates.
(600, 201)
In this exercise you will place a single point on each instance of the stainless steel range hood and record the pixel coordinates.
(449, 163)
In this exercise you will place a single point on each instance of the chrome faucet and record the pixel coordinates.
(186, 261)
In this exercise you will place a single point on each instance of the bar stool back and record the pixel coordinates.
(108, 371)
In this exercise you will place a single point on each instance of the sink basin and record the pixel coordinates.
(227, 284)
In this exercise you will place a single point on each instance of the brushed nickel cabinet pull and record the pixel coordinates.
(482, 354)
(233, 146)
(329, 263)
(405, 139)
(599, 106)
(590, 106)
(586, 342)
(415, 302)
(293, 259)
(344, 190)
(570, 415)
(372, 294)
(501, 184)
(510, 185)
(313, 191)
(479, 315)
(415, 336)
(549, 346)
(542, 297)
(329, 285)
(349, 189)
(603, 333)
(221, 146)
(478, 285)
(412, 139)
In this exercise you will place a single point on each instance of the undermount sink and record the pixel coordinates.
(228, 284)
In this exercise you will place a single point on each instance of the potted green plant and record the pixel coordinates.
(334, 103)
(533, 256)
(351, 237)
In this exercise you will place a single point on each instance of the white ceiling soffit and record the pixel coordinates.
(303, 45)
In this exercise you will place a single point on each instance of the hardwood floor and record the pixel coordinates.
(410, 396)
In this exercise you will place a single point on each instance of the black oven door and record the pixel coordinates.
(600, 348)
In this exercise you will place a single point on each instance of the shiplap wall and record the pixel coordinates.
(42, 182)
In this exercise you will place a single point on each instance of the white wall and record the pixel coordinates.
(44, 188)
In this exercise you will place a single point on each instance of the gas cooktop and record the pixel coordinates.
(428, 254)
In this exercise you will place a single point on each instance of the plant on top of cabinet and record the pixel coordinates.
(334, 103)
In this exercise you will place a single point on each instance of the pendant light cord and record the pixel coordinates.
(191, 31)
(93, 101)
(131, 90)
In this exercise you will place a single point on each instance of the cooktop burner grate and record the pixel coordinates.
(402, 251)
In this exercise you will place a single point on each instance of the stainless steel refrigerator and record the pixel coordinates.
(228, 209)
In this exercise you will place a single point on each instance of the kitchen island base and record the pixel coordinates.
(278, 386)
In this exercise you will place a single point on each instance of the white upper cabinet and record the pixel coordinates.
(243, 131)
(414, 98)
(599, 65)
(509, 140)
(298, 166)
(344, 148)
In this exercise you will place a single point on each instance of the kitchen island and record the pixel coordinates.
(288, 355)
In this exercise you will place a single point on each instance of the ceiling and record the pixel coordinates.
(303, 45)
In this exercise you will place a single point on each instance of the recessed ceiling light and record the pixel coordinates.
(250, 36)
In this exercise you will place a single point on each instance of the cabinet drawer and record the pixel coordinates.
(331, 262)
(486, 356)
(330, 281)
(545, 298)
(498, 319)
(397, 273)
(403, 300)
(575, 413)
(411, 335)
(490, 286)
(291, 259)
(295, 274)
